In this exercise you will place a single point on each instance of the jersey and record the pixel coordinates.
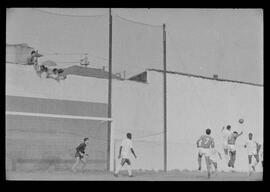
(232, 139)
(251, 147)
(206, 141)
(81, 148)
(225, 134)
(126, 148)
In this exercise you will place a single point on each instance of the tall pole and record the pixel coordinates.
(165, 97)
(109, 90)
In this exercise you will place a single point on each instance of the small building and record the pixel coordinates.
(17, 53)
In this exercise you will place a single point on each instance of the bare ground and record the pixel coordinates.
(138, 176)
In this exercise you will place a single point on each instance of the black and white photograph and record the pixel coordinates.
(134, 94)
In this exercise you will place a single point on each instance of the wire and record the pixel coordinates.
(95, 56)
(66, 15)
(136, 22)
(160, 133)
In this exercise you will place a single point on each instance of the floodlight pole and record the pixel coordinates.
(109, 91)
(165, 97)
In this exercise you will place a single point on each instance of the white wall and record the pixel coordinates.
(137, 108)
(22, 80)
(195, 104)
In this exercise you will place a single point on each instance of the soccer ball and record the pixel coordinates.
(241, 121)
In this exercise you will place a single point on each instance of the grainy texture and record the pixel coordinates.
(138, 176)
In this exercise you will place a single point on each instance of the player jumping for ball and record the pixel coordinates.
(231, 147)
(204, 143)
(253, 149)
(80, 154)
(226, 133)
(124, 153)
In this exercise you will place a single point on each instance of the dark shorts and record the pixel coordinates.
(77, 154)
(124, 160)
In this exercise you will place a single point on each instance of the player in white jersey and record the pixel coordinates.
(231, 147)
(261, 155)
(225, 134)
(204, 143)
(124, 153)
(253, 149)
(215, 156)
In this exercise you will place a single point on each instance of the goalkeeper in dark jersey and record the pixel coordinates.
(80, 154)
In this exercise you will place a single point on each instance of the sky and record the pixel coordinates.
(227, 42)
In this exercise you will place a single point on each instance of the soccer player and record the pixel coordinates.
(261, 155)
(80, 154)
(203, 144)
(231, 147)
(214, 157)
(124, 152)
(253, 149)
(226, 133)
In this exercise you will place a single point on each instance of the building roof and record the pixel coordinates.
(203, 77)
(88, 72)
(20, 44)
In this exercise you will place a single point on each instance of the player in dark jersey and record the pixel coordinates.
(80, 154)
(204, 143)
(231, 147)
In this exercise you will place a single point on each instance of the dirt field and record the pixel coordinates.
(138, 176)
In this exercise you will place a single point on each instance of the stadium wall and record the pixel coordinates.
(38, 133)
(194, 104)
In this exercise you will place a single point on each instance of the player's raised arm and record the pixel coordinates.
(198, 142)
(219, 155)
(212, 143)
(131, 149)
(240, 134)
(120, 150)
(222, 129)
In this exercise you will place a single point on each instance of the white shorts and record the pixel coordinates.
(231, 148)
(204, 151)
(254, 152)
(225, 145)
(214, 158)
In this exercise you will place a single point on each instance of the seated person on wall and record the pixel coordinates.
(56, 74)
(32, 59)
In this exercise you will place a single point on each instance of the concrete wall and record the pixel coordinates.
(195, 104)
(42, 141)
(23, 81)
(137, 108)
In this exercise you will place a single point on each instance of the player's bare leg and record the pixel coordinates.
(257, 159)
(230, 160)
(215, 166)
(250, 164)
(227, 156)
(129, 168)
(233, 158)
(129, 171)
(76, 164)
(83, 164)
(207, 161)
(200, 161)
(118, 168)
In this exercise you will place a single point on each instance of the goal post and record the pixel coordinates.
(39, 140)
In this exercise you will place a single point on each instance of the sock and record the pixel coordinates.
(118, 169)
(129, 170)
(250, 168)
